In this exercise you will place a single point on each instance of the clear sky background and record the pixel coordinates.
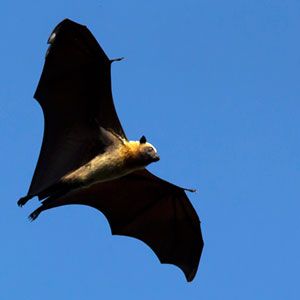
(214, 85)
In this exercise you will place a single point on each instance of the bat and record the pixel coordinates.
(86, 158)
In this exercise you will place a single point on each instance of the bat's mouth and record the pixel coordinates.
(156, 158)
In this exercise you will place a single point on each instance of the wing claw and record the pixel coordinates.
(116, 59)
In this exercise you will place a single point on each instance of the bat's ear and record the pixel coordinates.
(143, 140)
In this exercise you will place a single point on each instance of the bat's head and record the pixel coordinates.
(142, 153)
(147, 151)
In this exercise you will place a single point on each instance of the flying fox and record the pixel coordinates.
(86, 158)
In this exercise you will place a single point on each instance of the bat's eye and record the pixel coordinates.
(150, 149)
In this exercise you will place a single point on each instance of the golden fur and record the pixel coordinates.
(119, 160)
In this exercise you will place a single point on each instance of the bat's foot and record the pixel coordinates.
(22, 201)
(34, 214)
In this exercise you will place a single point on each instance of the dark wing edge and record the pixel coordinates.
(180, 238)
(75, 94)
(185, 247)
(74, 49)
(149, 209)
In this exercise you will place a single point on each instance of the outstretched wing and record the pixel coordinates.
(74, 92)
(145, 207)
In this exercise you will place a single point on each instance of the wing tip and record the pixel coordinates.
(75, 32)
(188, 271)
(64, 23)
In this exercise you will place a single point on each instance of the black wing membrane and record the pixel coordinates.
(75, 94)
(145, 207)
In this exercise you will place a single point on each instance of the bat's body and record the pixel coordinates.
(120, 160)
(86, 158)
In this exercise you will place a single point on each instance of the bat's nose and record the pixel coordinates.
(156, 158)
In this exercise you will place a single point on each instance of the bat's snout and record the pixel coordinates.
(156, 158)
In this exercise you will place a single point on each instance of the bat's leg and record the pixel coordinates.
(43, 207)
(50, 202)
(35, 213)
(22, 201)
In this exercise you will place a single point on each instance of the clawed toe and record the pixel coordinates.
(22, 201)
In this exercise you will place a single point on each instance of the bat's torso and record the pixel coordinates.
(116, 162)
(104, 167)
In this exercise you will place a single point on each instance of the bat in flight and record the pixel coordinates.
(86, 158)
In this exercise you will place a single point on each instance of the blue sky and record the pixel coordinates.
(214, 85)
